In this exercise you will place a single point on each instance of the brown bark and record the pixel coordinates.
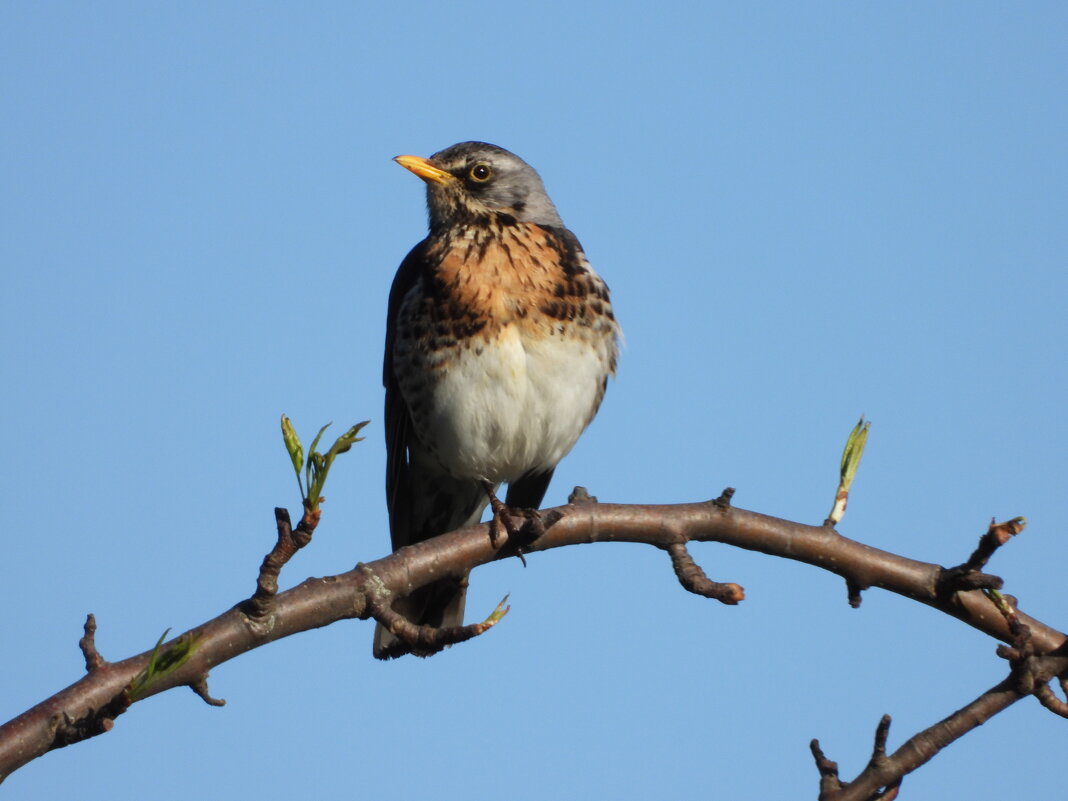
(87, 707)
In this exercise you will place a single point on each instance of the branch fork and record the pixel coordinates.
(423, 639)
(1032, 672)
(878, 770)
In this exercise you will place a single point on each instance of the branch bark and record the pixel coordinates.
(88, 706)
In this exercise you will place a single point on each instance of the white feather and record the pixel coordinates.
(518, 406)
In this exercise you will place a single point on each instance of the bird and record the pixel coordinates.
(500, 340)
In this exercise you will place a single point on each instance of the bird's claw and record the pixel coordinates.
(533, 526)
(502, 516)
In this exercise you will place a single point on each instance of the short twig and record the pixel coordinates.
(289, 541)
(996, 536)
(879, 760)
(828, 769)
(694, 579)
(969, 575)
(724, 499)
(200, 687)
(581, 495)
(87, 643)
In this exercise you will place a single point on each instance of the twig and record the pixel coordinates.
(423, 640)
(694, 579)
(200, 687)
(830, 783)
(581, 495)
(93, 659)
(289, 541)
(851, 455)
(884, 773)
(1030, 675)
(968, 575)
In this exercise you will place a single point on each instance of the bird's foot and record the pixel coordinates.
(519, 536)
(502, 516)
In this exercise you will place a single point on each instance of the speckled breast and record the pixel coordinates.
(503, 349)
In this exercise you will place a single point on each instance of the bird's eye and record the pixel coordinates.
(480, 173)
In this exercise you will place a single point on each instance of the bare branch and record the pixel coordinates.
(1030, 675)
(90, 705)
(883, 773)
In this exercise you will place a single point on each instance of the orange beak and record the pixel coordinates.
(424, 169)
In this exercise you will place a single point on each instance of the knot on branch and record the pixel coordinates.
(724, 499)
(969, 575)
(1031, 672)
(853, 591)
(694, 579)
(66, 730)
(581, 495)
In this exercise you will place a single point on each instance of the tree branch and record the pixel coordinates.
(88, 706)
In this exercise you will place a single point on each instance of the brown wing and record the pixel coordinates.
(398, 420)
(421, 501)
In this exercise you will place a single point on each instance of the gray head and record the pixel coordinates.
(474, 182)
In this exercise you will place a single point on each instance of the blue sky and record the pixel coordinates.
(805, 211)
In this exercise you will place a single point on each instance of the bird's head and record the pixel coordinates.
(475, 182)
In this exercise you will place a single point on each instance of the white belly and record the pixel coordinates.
(517, 407)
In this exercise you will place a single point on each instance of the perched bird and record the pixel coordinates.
(499, 343)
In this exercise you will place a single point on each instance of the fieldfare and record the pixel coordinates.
(500, 339)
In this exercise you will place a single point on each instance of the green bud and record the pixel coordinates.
(292, 441)
(162, 664)
(854, 449)
(346, 440)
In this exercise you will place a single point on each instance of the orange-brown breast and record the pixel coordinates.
(517, 302)
(521, 275)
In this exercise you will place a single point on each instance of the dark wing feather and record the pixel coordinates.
(398, 421)
(528, 491)
(421, 502)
